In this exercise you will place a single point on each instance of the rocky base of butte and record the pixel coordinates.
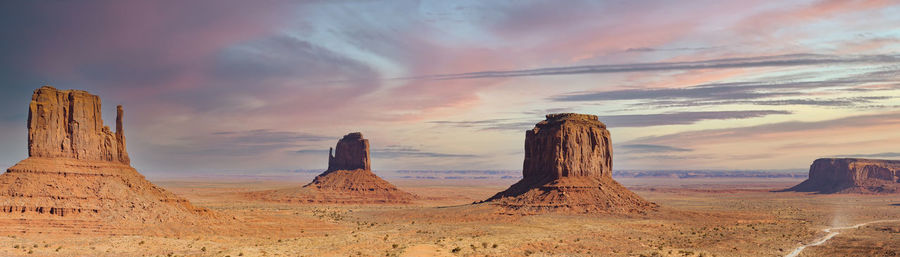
(568, 168)
(847, 175)
(348, 180)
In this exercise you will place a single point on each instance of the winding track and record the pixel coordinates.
(831, 235)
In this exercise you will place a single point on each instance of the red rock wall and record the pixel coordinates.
(854, 171)
(567, 145)
(69, 124)
(846, 175)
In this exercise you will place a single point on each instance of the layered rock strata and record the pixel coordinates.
(77, 168)
(849, 175)
(348, 180)
(568, 168)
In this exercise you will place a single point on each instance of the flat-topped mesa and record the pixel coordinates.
(69, 124)
(851, 175)
(351, 153)
(568, 167)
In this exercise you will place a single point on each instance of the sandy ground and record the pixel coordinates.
(697, 217)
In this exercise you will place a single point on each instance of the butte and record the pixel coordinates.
(848, 175)
(78, 175)
(348, 180)
(568, 168)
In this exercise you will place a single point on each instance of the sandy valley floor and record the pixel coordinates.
(697, 217)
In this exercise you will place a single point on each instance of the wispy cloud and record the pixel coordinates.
(630, 120)
(771, 129)
(873, 155)
(244, 143)
(860, 101)
(805, 89)
(495, 124)
(725, 63)
(681, 118)
(266, 136)
(650, 148)
(401, 151)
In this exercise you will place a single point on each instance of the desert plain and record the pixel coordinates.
(696, 217)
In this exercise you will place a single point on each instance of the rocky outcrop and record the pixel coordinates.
(348, 180)
(568, 167)
(849, 175)
(68, 124)
(352, 153)
(77, 169)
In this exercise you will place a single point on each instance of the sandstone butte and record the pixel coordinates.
(348, 180)
(848, 175)
(568, 168)
(79, 170)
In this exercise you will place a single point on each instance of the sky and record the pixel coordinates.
(249, 87)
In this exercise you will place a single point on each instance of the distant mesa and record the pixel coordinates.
(568, 168)
(79, 169)
(849, 175)
(348, 180)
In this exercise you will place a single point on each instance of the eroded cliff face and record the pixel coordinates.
(78, 169)
(567, 145)
(568, 167)
(68, 123)
(848, 175)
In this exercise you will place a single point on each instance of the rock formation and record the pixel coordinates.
(848, 175)
(568, 168)
(348, 180)
(79, 169)
(68, 124)
(352, 153)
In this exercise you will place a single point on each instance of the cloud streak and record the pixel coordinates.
(629, 120)
(681, 118)
(873, 155)
(401, 151)
(725, 63)
(772, 129)
(650, 148)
